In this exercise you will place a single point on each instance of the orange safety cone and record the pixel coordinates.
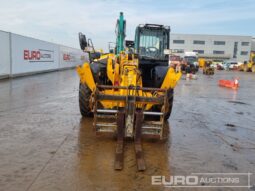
(234, 84)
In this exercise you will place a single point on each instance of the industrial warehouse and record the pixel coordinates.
(221, 47)
(130, 103)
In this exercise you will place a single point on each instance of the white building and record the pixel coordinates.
(253, 44)
(218, 47)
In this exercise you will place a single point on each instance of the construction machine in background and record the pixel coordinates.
(191, 63)
(201, 62)
(129, 92)
(249, 66)
(175, 60)
(208, 69)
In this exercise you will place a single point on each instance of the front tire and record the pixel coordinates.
(84, 97)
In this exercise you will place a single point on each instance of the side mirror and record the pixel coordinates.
(167, 51)
(83, 41)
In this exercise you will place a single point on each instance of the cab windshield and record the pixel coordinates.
(152, 44)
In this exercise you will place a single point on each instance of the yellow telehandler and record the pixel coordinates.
(130, 90)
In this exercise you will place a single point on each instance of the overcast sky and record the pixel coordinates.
(60, 21)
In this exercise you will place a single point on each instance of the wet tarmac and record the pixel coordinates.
(46, 145)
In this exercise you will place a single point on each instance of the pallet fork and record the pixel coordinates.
(130, 119)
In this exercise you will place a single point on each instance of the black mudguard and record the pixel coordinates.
(98, 69)
(158, 75)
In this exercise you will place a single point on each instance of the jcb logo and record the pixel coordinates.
(32, 55)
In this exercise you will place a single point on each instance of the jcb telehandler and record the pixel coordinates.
(129, 91)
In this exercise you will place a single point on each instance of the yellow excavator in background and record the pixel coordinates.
(129, 92)
(249, 66)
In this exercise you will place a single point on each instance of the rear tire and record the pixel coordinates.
(84, 97)
(170, 103)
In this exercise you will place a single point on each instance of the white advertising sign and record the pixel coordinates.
(71, 57)
(32, 55)
(5, 62)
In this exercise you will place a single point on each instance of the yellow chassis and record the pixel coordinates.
(124, 73)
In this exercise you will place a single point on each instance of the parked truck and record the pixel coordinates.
(191, 62)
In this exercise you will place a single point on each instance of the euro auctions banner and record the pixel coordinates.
(39, 55)
(32, 55)
(71, 57)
